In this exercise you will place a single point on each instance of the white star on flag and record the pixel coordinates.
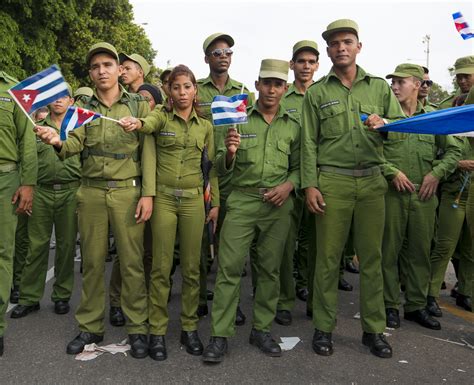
(26, 98)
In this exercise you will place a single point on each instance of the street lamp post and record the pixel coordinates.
(426, 40)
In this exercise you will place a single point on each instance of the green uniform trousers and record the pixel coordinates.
(96, 208)
(115, 286)
(466, 271)
(357, 201)
(301, 254)
(247, 216)
(287, 296)
(21, 248)
(452, 231)
(187, 215)
(8, 221)
(406, 216)
(56, 208)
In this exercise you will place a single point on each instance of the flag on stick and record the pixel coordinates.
(74, 118)
(40, 90)
(229, 110)
(462, 26)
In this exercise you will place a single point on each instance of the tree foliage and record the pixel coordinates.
(437, 94)
(36, 34)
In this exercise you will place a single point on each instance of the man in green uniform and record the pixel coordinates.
(349, 190)
(304, 64)
(263, 158)
(54, 205)
(118, 185)
(134, 70)
(453, 231)
(411, 202)
(18, 172)
(218, 55)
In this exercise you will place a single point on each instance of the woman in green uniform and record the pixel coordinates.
(181, 136)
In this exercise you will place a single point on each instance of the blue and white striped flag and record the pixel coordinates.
(76, 117)
(40, 90)
(231, 110)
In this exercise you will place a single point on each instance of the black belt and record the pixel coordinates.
(355, 172)
(60, 186)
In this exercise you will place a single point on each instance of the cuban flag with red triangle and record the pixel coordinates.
(229, 110)
(40, 89)
(74, 118)
(461, 25)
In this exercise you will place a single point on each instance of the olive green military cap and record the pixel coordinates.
(84, 91)
(140, 60)
(217, 36)
(464, 65)
(341, 25)
(102, 47)
(274, 68)
(69, 89)
(166, 71)
(406, 70)
(305, 45)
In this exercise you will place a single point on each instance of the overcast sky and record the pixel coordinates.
(391, 32)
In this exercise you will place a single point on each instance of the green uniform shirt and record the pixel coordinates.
(179, 146)
(17, 139)
(268, 155)
(415, 154)
(332, 131)
(103, 136)
(51, 170)
(293, 101)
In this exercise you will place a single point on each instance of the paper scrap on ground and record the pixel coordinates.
(288, 343)
(403, 362)
(93, 351)
(357, 315)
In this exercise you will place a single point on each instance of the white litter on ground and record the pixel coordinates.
(288, 343)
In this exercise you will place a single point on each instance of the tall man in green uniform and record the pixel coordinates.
(411, 202)
(263, 158)
(18, 171)
(218, 55)
(350, 188)
(304, 63)
(118, 185)
(54, 205)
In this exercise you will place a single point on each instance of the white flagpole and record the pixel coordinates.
(111, 119)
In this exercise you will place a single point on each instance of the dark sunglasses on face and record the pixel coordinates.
(218, 52)
(427, 83)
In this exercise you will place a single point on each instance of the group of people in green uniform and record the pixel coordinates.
(303, 184)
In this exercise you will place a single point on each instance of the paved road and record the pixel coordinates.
(36, 344)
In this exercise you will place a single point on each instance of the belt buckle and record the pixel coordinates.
(263, 190)
(111, 183)
(57, 186)
(178, 192)
(358, 173)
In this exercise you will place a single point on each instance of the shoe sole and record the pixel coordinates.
(269, 354)
(141, 355)
(34, 308)
(323, 353)
(192, 352)
(425, 326)
(214, 360)
(158, 358)
(283, 323)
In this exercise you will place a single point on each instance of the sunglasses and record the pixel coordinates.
(427, 83)
(218, 52)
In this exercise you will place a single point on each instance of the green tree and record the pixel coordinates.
(36, 34)
(437, 94)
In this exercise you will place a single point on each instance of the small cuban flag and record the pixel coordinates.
(231, 110)
(462, 26)
(40, 90)
(74, 118)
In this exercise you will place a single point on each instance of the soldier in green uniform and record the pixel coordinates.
(54, 205)
(453, 230)
(135, 69)
(349, 188)
(304, 63)
(218, 55)
(263, 158)
(118, 185)
(411, 202)
(181, 136)
(18, 172)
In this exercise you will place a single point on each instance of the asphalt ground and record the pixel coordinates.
(35, 349)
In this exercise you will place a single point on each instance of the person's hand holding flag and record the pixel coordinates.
(48, 135)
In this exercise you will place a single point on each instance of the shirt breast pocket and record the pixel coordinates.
(283, 154)
(246, 151)
(427, 146)
(6, 114)
(333, 119)
(93, 133)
